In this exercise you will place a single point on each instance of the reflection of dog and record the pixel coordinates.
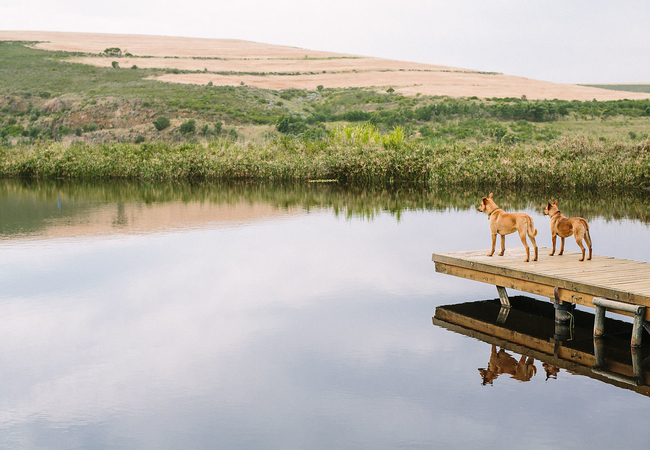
(565, 227)
(551, 371)
(501, 362)
(503, 223)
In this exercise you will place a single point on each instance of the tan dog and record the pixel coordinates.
(503, 223)
(565, 227)
(551, 371)
(502, 362)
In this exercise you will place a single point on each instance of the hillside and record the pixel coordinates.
(107, 88)
(233, 63)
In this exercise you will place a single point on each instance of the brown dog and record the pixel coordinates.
(503, 223)
(565, 227)
(502, 362)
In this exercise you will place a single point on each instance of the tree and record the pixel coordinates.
(113, 51)
(390, 90)
(188, 127)
(161, 123)
(282, 124)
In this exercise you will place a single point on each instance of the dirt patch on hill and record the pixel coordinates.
(233, 62)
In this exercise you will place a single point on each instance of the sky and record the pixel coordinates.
(566, 41)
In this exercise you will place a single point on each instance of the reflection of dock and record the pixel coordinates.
(529, 328)
(606, 283)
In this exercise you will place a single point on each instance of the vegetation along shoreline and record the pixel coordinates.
(354, 155)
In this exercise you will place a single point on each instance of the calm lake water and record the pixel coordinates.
(277, 318)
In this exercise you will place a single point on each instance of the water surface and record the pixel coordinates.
(287, 317)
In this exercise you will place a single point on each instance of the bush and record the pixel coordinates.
(139, 139)
(161, 123)
(113, 51)
(188, 127)
(115, 65)
(35, 131)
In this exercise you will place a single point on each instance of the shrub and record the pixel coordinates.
(139, 139)
(78, 131)
(134, 67)
(113, 51)
(188, 127)
(115, 65)
(35, 131)
(161, 123)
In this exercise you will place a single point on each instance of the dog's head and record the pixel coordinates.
(551, 208)
(484, 202)
(487, 376)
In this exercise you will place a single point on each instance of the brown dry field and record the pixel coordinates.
(332, 70)
(135, 218)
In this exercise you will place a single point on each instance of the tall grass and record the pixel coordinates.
(354, 155)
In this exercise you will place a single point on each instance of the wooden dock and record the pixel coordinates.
(529, 329)
(557, 277)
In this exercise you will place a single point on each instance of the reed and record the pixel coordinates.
(353, 155)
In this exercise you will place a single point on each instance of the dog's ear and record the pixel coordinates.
(484, 200)
(490, 196)
(555, 203)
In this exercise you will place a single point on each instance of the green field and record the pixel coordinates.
(622, 87)
(42, 96)
(66, 120)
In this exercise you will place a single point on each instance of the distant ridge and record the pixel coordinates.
(236, 62)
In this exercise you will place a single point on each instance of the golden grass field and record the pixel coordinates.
(291, 67)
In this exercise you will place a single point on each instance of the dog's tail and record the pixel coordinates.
(531, 226)
(587, 235)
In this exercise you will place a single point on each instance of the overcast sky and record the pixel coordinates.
(569, 41)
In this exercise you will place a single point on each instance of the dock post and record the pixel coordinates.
(599, 321)
(602, 304)
(599, 353)
(637, 330)
(503, 296)
(503, 315)
(637, 366)
(562, 309)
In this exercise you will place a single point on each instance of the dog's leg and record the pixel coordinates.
(532, 239)
(553, 239)
(588, 241)
(494, 243)
(522, 236)
(561, 246)
(531, 234)
(503, 244)
(578, 237)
